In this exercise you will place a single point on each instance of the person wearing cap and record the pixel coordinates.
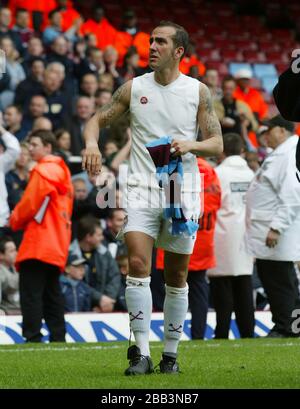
(76, 293)
(273, 224)
(250, 95)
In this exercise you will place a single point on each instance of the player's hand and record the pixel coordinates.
(92, 160)
(181, 147)
(272, 238)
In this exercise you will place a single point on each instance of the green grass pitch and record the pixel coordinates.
(257, 363)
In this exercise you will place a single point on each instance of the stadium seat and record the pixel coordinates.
(264, 70)
(236, 66)
(254, 56)
(231, 55)
(269, 82)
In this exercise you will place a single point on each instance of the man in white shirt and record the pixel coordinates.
(273, 224)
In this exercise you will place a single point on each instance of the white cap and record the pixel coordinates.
(243, 73)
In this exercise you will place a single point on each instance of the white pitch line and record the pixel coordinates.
(101, 347)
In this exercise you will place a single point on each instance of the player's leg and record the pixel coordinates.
(139, 300)
(175, 307)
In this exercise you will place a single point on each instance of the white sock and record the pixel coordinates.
(139, 304)
(175, 309)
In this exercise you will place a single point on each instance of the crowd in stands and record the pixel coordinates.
(61, 65)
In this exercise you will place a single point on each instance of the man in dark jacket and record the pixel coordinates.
(287, 97)
(102, 272)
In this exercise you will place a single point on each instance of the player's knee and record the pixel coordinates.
(176, 279)
(138, 266)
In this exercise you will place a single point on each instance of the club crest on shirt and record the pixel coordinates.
(143, 100)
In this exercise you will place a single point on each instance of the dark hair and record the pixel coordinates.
(180, 38)
(92, 49)
(47, 137)
(59, 132)
(233, 144)
(228, 78)
(87, 225)
(3, 241)
(34, 59)
(21, 10)
(101, 91)
(52, 12)
(112, 212)
(17, 108)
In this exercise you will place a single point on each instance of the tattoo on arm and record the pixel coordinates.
(111, 110)
(209, 121)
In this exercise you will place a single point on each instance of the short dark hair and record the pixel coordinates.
(52, 12)
(3, 241)
(21, 10)
(59, 133)
(228, 78)
(87, 225)
(47, 137)
(233, 144)
(180, 38)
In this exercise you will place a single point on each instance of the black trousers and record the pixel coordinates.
(233, 294)
(280, 282)
(41, 297)
(198, 298)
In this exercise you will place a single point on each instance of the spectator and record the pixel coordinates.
(68, 13)
(252, 160)
(89, 85)
(76, 293)
(102, 97)
(67, 82)
(81, 206)
(7, 161)
(123, 264)
(211, 79)
(5, 23)
(44, 213)
(58, 53)
(110, 58)
(130, 68)
(106, 81)
(32, 83)
(231, 278)
(37, 109)
(63, 141)
(22, 29)
(14, 69)
(102, 273)
(35, 50)
(42, 123)
(110, 151)
(9, 278)
(250, 95)
(115, 222)
(85, 107)
(16, 179)
(13, 122)
(93, 63)
(191, 60)
(235, 116)
(99, 25)
(273, 224)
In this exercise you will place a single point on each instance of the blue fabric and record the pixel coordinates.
(166, 166)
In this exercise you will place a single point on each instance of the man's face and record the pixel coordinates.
(51, 82)
(10, 254)
(37, 149)
(5, 17)
(273, 137)
(95, 239)
(35, 47)
(12, 116)
(38, 69)
(80, 190)
(103, 99)
(37, 106)
(60, 46)
(84, 108)
(89, 84)
(162, 51)
(24, 158)
(228, 89)
(243, 83)
(117, 221)
(96, 58)
(22, 19)
(211, 78)
(76, 272)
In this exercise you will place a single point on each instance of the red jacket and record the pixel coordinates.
(203, 256)
(49, 240)
(104, 31)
